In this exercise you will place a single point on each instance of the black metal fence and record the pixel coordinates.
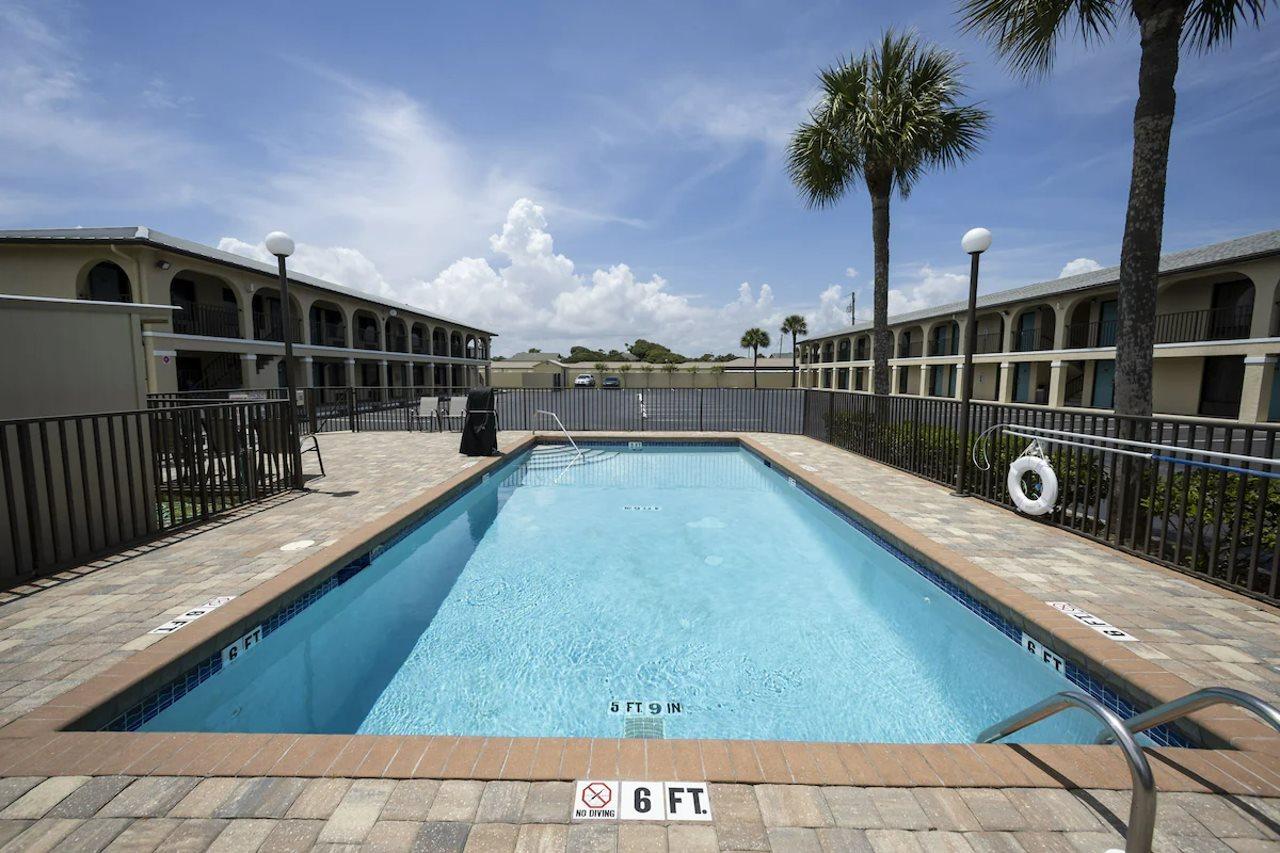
(77, 486)
(1218, 524)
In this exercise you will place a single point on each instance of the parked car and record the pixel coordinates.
(611, 382)
(584, 380)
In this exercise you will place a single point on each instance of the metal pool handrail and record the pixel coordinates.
(1176, 709)
(562, 429)
(1142, 806)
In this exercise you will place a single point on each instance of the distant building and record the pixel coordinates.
(1217, 335)
(213, 319)
(545, 370)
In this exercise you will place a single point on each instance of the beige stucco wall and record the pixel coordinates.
(74, 357)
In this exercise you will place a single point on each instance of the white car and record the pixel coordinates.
(584, 380)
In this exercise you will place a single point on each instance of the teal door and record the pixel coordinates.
(1022, 382)
(1107, 324)
(1273, 412)
(1104, 379)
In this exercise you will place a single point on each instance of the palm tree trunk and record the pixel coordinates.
(793, 359)
(1161, 28)
(880, 240)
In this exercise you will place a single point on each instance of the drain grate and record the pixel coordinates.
(643, 727)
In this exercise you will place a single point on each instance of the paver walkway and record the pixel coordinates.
(57, 637)
(77, 813)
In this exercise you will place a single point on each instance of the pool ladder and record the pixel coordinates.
(1142, 808)
(577, 452)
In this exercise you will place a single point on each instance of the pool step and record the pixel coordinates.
(557, 458)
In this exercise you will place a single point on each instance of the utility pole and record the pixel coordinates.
(853, 308)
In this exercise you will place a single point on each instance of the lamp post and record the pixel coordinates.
(975, 242)
(280, 244)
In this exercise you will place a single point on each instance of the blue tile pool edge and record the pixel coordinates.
(159, 699)
(322, 582)
(1011, 624)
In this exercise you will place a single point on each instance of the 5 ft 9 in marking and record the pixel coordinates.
(653, 709)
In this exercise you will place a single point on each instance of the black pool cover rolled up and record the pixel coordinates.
(480, 430)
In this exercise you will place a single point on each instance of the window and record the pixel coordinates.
(107, 283)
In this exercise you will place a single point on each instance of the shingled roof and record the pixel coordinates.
(1241, 248)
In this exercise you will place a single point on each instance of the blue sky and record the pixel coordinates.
(589, 172)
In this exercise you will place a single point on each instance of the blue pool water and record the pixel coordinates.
(695, 581)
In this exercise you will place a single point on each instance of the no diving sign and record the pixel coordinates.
(670, 801)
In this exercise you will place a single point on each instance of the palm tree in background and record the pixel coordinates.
(717, 370)
(794, 326)
(754, 339)
(884, 118)
(1027, 33)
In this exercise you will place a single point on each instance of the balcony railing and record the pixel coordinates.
(329, 334)
(910, 349)
(1029, 340)
(1100, 333)
(397, 343)
(270, 327)
(947, 346)
(418, 345)
(986, 342)
(1221, 324)
(215, 321)
(366, 338)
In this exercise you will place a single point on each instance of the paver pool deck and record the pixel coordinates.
(135, 791)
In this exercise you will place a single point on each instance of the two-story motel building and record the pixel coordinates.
(222, 325)
(1217, 335)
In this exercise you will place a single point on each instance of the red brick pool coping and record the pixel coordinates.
(38, 744)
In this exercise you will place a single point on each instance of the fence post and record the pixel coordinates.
(351, 408)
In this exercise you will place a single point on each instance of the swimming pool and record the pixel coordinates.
(655, 590)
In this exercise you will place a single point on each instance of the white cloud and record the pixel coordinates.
(930, 288)
(732, 112)
(1079, 265)
(850, 272)
(338, 264)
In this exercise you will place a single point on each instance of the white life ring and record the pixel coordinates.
(1039, 466)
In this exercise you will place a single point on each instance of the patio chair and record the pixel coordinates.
(428, 411)
(457, 411)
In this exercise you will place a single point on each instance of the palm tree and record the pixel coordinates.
(753, 339)
(1026, 34)
(884, 118)
(794, 326)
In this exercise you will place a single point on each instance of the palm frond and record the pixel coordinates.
(1210, 23)
(1026, 32)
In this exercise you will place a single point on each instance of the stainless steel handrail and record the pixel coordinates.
(1142, 806)
(562, 429)
(1176, 709)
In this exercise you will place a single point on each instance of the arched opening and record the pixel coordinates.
(472, 347)
(268, 316)
(1033, 329)
(844, 351)
(911, 342)
(1091, 322)
(439, 341)
(862, 349)
(990, 333)
(828, 355)
(208, 305)
(328, 325)
(1205, 309)
(418, 341)
(366, 331)
(455, 344)
(944, 338)
(397, 337)
(106, 282)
